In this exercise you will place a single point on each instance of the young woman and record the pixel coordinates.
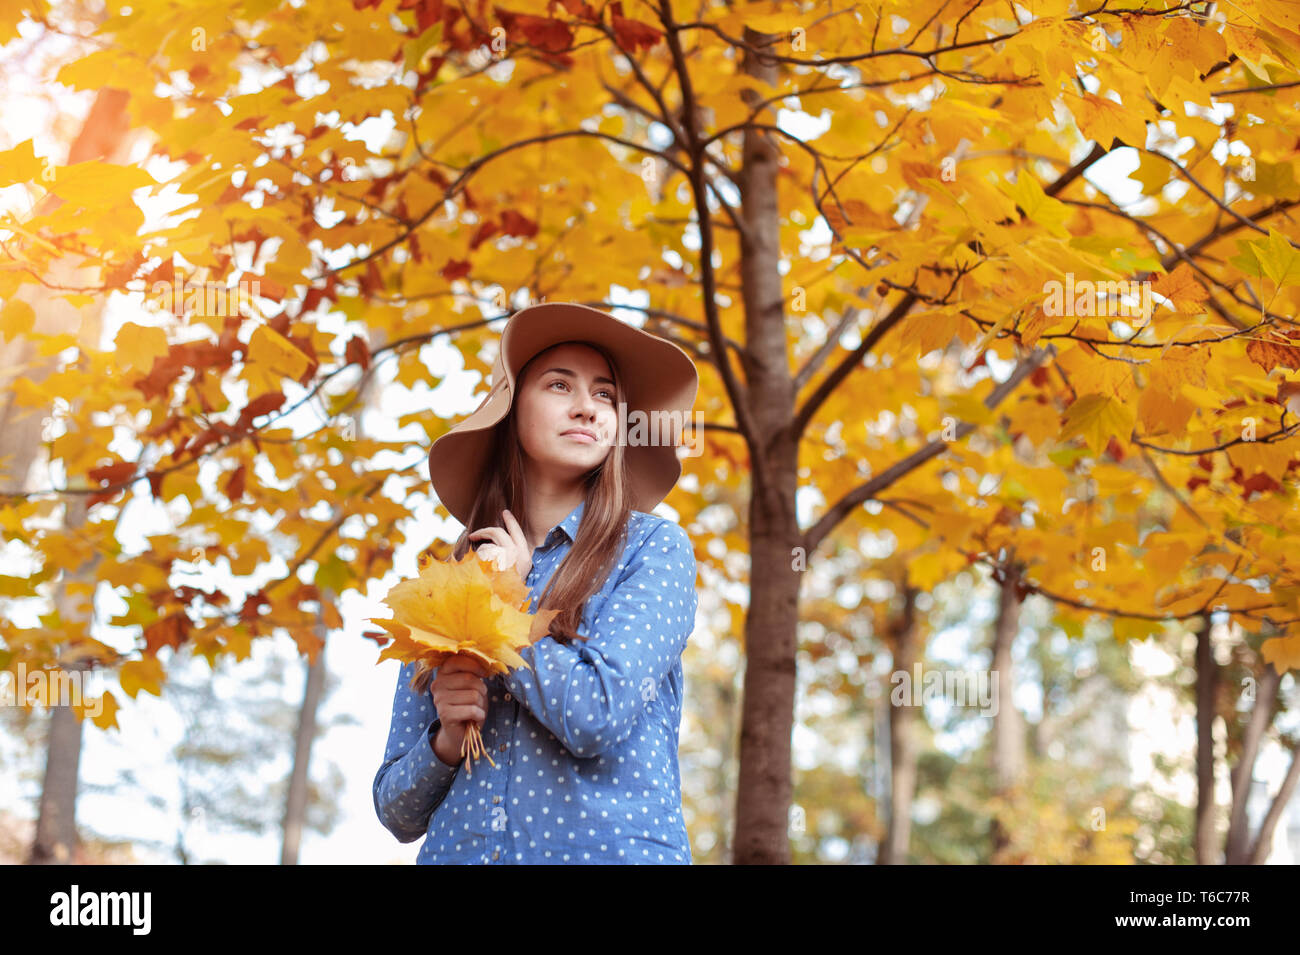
(585, 738)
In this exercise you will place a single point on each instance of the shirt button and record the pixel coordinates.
(503, 747)
(507, 696)
(496, 853)
(496, 799)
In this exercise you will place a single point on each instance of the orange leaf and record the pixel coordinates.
(632, 34)
(235, 485)
(1103, 119)
(551, 36)
(1181, 288)
(111, 474)
(167, 632)
(357, 352)
(1269, 352)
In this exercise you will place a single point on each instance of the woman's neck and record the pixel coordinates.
(547, 509)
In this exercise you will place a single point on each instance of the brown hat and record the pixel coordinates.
(655, 374)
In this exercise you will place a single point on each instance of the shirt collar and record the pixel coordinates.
(568, 526)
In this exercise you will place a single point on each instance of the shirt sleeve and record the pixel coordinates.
(413, 781)
(591, 693)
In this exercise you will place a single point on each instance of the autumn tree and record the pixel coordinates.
(102, 135)
(897, 234)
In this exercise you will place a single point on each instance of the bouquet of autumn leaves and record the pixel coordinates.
(467, 606)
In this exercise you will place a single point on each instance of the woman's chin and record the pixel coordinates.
(574, 466)
(590, 454)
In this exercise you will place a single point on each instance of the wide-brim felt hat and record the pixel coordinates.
(656, 376)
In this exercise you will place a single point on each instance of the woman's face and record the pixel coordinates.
(567, 389)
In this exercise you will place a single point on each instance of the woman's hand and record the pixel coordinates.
(460, 697)
(506, 547)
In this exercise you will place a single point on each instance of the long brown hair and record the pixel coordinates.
(602, 533)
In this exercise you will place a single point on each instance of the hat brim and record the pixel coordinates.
(657, 376)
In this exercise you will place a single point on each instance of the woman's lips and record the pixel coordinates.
(579, 436)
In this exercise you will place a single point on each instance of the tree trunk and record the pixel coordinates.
(767, 720)
(56, 827)
(1264, 841)
(1237, 849)
(1207, 673)
(1008, 725)
(902, 738)
(295, 810)
(296, 807)
(764, 794)
(104, 135)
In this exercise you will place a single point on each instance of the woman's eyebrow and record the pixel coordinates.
(565, 371)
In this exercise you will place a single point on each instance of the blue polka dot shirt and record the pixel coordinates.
(584, 739)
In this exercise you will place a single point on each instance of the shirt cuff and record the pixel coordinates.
(428, 770)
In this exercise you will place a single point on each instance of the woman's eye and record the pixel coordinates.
(603, 391)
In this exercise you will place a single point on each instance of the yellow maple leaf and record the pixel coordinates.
(143, 674)
(139, 345)
(465, 606)
(1278, 258)
(1098, 418)
(929, 331)
(269, 348)
(17, 319)
(1102, 119)
(1135, 628)
(107, 718)
(95, 181)
(1282, 652)
(1182, 289)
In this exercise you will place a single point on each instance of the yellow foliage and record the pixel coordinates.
(1052, 831)
(143, 674)
(1282, 652)
(463, 606)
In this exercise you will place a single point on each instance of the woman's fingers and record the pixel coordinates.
(495, 534)
(475, 670)
(516, 532)
(464, 714)
(453, 664)
(499, 547)
(523, 555)
(473, 665)
(462, 696)
(495, 554)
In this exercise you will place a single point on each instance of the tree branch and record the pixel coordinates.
(736, 392)
(868, 490)
(846, 366)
